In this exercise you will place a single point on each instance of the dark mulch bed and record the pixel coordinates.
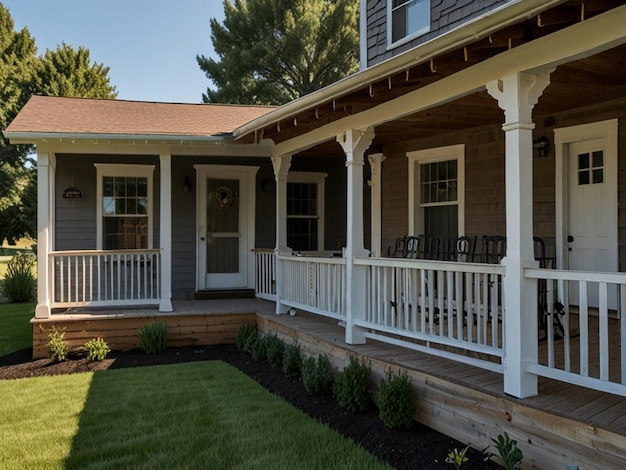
(416, 448)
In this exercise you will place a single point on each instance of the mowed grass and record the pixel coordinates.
(15, 328)
(195, 415)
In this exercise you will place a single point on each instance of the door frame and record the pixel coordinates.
(607, 130)
(247, 214)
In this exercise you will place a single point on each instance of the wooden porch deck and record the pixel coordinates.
(563, 425)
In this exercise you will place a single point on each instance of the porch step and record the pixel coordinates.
(214, 294)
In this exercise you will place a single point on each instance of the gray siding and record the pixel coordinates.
(445, 15)
(75, 219)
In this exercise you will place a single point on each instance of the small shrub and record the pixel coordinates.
(259, 349)
(395, 401)
(153, 337)
(292, 361)
(275, 350)
(457, 458)
(317, 375)
(508, 452)
(97, 349)
(57, 344)
(351, 387)
(250, 343)
(243, 334)
(19, 283)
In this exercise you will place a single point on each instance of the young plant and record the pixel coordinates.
(59, 348)
(395, 401)
(243, 334)
(153, 337)
(19, 283)
(292, 361)
(457, 458)
(508, 452)
(275, 350)
(351, 387)
(97, 349)
(259, 349)
(317, 375)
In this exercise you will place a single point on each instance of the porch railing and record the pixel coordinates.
(585, 339)
(450, 310)
(104, 278)
(314, 284)
(265, 273)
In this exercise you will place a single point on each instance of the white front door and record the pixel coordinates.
(225, 227)
(591, 231)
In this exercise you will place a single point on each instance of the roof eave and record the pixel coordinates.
(473, 30)
(34, 137)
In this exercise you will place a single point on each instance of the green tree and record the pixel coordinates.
(274, 51)
(62, 72)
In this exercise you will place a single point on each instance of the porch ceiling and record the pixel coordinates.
(573, 85)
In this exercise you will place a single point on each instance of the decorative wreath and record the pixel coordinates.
(224, 197)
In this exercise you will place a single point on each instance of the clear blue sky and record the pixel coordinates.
(149, 45)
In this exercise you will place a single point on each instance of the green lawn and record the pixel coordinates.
(195, 415)
(15, 328)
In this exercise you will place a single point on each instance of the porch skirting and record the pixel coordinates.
(122, 332)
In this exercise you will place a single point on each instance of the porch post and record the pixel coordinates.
(281, 166)
(376, 160)
(166, 232)
(517, 94)
(354, 143)
(46, 163)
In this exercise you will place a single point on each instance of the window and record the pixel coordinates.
(124, 195)
(305, 211)
(437, 187)
(409, 18)
(591, 168)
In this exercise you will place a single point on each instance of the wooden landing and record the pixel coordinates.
(563, 425)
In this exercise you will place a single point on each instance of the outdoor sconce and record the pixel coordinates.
(187, 185)
(541, 146)
(267, 185)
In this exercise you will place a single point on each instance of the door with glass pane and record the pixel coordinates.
(222, 227)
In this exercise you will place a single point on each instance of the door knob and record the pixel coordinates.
(201, 239)
(570, 239)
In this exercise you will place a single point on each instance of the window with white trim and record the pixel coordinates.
(407, 18)
(305, 211)
(124, 194)
(437, 188)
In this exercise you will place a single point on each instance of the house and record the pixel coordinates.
(473, 121)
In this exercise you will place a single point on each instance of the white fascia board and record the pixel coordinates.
(581, 40)
(469, 32)
(32, 137)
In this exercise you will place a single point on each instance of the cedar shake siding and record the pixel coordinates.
(445, 15)
(485, 211)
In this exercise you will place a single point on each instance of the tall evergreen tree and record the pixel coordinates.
(274, 51)
(62, 72)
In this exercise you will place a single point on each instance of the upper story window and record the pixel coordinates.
(408, 18)
(124, 206)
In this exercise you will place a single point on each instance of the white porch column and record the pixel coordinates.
(376, 160)
(46, 163)
(281, 166)
(517, 95)
(354, 143)
(166, 232)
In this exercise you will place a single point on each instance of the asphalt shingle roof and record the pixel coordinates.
(47, 114)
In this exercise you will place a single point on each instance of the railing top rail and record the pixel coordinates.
(104, 252)
(559, 274)
(313, 259)
(263, 250)
(432, 264)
